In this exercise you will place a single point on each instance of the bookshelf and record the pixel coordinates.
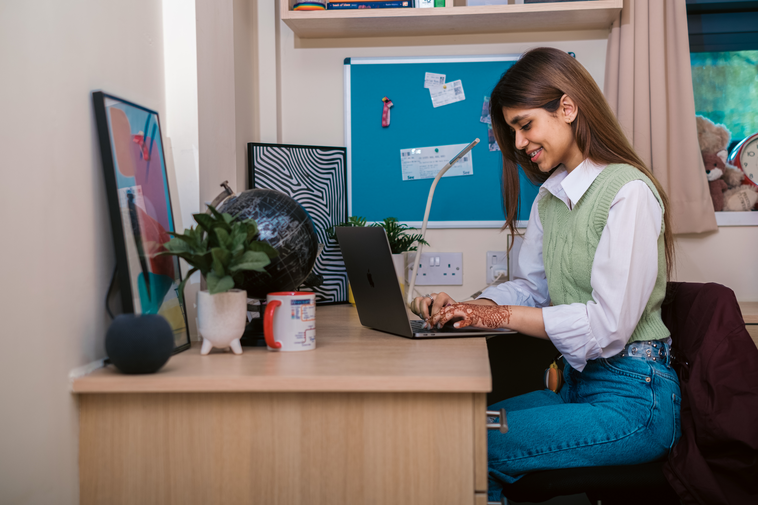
(451, 19)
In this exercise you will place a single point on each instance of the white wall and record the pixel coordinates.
(180, 125)
(726, 256)
(57, 256)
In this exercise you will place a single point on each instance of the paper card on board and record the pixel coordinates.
(446, 94)
(486, 111)
(431, 79)
(426, 162)
(491, 139)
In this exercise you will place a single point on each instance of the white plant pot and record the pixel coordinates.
(221, 319)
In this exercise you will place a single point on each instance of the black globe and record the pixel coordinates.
(286, 226)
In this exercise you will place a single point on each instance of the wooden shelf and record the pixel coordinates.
(560, 16)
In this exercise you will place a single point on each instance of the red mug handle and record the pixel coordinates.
(268, 324)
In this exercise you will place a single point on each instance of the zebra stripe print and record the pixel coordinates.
(316, 177)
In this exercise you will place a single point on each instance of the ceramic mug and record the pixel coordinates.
(289, 322)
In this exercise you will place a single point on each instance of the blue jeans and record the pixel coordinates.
(622, 410)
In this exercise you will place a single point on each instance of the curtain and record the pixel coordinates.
(648, 83)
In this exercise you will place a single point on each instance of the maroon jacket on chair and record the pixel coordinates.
(716, 459)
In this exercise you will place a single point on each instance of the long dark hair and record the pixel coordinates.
(538, 80)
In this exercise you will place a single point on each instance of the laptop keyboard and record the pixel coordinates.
(417, 325)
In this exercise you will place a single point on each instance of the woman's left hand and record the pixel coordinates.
(480, 316)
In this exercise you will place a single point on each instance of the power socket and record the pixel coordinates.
(438, 269)
(497, 262)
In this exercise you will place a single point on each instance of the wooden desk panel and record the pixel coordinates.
(282, 448)
(365, 418)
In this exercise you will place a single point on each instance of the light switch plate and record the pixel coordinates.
(438, 269)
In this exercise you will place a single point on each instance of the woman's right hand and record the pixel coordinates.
(429, 305)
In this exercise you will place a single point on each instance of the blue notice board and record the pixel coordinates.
(376, 189)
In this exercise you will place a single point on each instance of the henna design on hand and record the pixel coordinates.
(481, 316)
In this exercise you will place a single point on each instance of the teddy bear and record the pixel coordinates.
(724, 180)
(714, 169)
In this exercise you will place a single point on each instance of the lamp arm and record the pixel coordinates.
(409, 295)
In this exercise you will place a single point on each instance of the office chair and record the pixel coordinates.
(708, 335)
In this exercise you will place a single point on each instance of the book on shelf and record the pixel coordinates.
(548, 1)
(370, 4)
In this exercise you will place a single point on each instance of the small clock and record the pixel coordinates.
(745, 157)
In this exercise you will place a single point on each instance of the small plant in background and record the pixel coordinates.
(397, 233)
(222, 249)
(352, 221)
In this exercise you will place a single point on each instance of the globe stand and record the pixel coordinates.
(253, 336)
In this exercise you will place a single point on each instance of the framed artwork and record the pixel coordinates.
(316, 177)
(141, 215)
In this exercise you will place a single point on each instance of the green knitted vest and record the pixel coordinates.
(571, 238)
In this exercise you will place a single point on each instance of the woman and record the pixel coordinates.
(594, 265)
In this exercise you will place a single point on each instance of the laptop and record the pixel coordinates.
(378, 298)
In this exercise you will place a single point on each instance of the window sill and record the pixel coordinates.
(749, 218)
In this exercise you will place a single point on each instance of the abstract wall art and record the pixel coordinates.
(316, 177)
(137, 185)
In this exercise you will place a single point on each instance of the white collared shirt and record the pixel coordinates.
(623, 271)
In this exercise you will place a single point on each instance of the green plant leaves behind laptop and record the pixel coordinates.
(397, 233)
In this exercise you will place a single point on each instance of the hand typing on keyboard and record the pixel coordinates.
(480, 316)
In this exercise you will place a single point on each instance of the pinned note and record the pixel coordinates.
(431, 79)
(426, 162)
(486, 111)
(446, 94)
(491, 139)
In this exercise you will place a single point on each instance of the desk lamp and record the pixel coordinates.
(450, 163)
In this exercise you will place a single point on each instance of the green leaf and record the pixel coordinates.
(238, 238)
(238, 277)
(263, 247)
(251, 228)
(205, 221)
(218, 284)
(221, 260)
(215, 213)
(178, 245)
(223, 237)
(356, 221)
(251, 260)
(190, 239)
(352, 221)
(180, 289)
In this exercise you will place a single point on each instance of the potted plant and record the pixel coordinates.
(222, 248)
(401, 242)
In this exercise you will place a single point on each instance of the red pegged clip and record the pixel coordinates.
(386, 112)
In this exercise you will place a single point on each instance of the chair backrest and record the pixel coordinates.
(716, 460)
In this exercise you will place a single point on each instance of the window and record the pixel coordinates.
(726, 90)
(723, 36)
(724, 57)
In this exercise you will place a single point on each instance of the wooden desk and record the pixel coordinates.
(366, 418)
